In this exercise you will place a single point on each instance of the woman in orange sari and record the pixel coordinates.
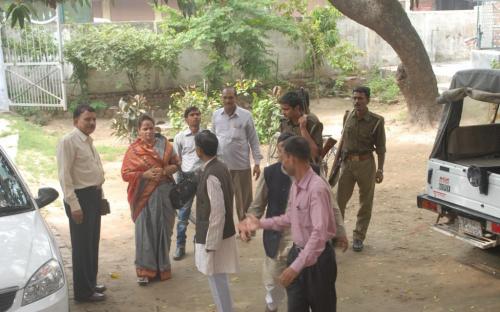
(148, 167)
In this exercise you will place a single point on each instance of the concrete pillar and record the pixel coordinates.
(4, 96)
(158, 16)
(59, 19)
(106, 9)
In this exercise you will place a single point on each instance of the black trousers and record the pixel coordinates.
(314, 288)
(85, 241)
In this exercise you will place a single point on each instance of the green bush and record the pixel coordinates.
(385, 88)
(343, 58)
(495, 64)
(266, 114)
(232, 33)
(118, 48)
(317, 29)
(129, 110)
(97, 105)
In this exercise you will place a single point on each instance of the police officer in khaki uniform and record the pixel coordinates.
(363, 134)
(299, 122)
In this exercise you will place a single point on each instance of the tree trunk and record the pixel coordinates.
(416, 78)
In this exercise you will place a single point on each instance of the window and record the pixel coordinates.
(478, 113)
(13, 197)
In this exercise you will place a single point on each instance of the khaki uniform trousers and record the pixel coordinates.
(242, 186)
(361, 173)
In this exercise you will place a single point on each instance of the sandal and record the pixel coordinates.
(142, 281)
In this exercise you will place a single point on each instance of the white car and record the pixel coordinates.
(32, 275)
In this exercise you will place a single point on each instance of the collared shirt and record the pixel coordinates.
(236, 135)
(260, 200)
(364, 135)
(313, 126)
(79, 166)
(310, 217)
(184, 147)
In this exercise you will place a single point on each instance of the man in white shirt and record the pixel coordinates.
(235, 130)
(81, 176)
(184, 147)
(216, 251)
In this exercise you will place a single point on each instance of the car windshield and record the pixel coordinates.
(13, 197)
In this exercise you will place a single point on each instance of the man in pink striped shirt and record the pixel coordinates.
(312, 269)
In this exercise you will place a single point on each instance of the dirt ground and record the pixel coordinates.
(405, 265)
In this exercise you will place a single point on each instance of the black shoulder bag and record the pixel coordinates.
(183, 191)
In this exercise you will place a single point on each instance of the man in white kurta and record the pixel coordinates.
(216, 253)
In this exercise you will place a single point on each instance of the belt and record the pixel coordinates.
(359, 157)
(299, 249)
(92, 187)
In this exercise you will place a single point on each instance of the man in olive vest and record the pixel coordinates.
(216, 254)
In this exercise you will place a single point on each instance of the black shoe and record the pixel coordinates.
(180, 252)
(100, 289)
(96, 297)
(357, 245)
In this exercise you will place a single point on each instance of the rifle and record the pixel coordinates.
(329, 144)
(337, 162)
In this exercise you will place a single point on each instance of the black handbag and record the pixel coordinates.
(183, 191)
(105, 209)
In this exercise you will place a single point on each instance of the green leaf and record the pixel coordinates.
(11, 8)
(14, 18)
(18, 13)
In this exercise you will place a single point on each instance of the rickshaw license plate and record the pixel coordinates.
(470, 227)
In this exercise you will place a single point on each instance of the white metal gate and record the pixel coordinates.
(488, 24)
(33, 64)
